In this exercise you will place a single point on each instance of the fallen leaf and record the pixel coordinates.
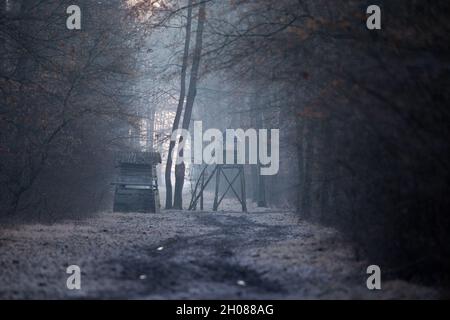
(241, 283)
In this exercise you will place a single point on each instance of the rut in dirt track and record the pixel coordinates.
(186, 262)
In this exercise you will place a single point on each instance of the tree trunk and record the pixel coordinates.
(255, 169)
(176, 121)
(262, 203)
(150, 129)
(308, 165)
(327, 149)
(192, 92)
(300, 162)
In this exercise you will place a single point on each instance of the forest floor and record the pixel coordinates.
(265, 254)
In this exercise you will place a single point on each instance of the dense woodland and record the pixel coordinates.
(363, 115)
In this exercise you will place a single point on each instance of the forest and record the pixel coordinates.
(363, 115)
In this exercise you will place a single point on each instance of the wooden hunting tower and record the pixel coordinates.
(220, 171)
(136, 188)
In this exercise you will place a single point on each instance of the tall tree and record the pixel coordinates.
(192, 92)
(176, 121)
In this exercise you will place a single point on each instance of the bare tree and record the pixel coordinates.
(181, 99)
(192, 92)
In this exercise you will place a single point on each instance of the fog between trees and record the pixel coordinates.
(363, 115)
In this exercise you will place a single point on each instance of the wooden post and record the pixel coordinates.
(216, 194)
(243, 195)
(201, 190)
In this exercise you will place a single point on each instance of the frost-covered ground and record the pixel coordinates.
(179, 254)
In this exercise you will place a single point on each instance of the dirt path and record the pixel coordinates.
(261, 255)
